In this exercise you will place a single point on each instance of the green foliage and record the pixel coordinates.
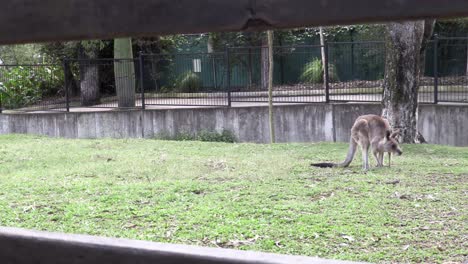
(21, 54)
(313, 72)
(225, 136)
(24, 85)
(188, 82)
(204, 135)
(235, 39)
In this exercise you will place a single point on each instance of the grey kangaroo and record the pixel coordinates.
(369, 131)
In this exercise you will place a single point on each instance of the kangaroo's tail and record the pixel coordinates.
(349, 157)
(324, 165)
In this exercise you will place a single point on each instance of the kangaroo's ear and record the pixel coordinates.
(388, 134)
(395, 133)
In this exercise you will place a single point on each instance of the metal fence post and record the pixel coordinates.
(436, 70)
(65, 79)
(142, 86)
(228, 82)
(326, 74)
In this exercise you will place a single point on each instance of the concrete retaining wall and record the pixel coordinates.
(440, 124)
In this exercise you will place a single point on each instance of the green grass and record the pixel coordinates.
(246, 196)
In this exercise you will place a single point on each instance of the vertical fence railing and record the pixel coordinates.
(65, 66)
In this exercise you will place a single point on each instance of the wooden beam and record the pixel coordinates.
(24, 21)
(21, 246)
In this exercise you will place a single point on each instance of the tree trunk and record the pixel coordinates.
(401, 82)
(210, 49)
(324, 57)
(210, 44)
(124, 72)
(89, 77)
(264, 64)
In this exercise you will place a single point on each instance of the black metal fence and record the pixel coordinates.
(32, 87)
(103, 83)
(190, 79)
(354, 71)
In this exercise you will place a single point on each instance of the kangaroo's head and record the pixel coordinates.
(391, 144)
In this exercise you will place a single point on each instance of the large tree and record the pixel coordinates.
(124, 72)
(88, 52)
(405, 43)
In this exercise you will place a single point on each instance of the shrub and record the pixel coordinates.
(225, 136)
(313, 72)
(189, 82)
(24, 86)
(206, 136)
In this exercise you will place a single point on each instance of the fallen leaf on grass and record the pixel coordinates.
(129, 225)
(349, 238)
(233, 243)
(278, 244)
(401, 196)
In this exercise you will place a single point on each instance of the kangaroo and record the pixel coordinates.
(369, 131)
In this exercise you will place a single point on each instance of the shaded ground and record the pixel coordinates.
(246, 196)
(246, 99)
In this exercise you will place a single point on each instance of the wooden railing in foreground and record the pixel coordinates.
(22, 246)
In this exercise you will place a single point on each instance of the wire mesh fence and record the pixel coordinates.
(336, 71)
(297, 78)
(451, 70)
(356, 71)
(195, 79)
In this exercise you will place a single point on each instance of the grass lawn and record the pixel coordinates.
(246, 196)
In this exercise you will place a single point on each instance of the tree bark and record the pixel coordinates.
(124, 72)
(401, 82)
(324, 57)
(89, 77)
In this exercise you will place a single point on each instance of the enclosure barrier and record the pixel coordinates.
(22, 246)
(352, 72)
